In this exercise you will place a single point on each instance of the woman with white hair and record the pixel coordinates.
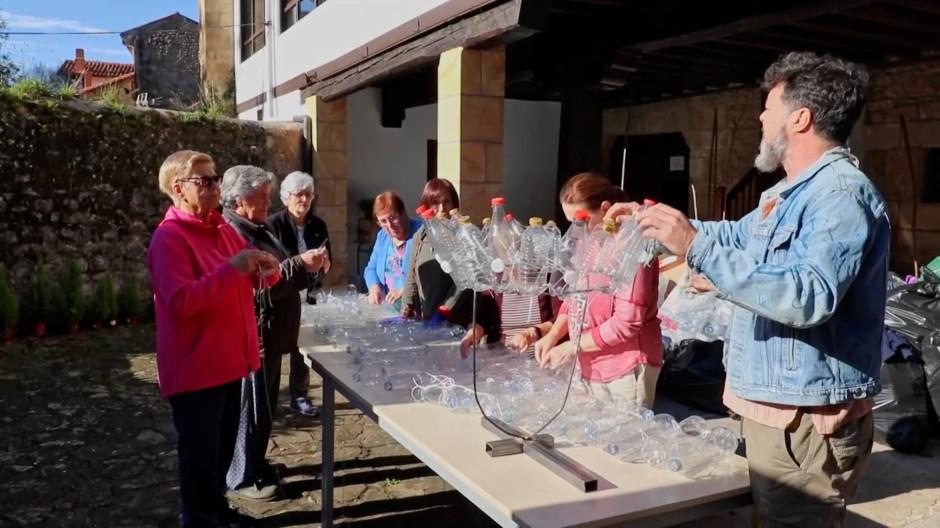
(202, 274)
(299, 229)
(246, 194)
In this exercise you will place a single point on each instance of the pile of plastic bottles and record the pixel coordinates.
(504, 256)
(507, 257)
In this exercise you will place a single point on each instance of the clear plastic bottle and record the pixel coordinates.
(454, 215)
(566, 270)
(594, 265)
(448, 253)
(555, 235)
(499, 236)
(653, 248)
(479, 258)
(528, 275)
(624, 259)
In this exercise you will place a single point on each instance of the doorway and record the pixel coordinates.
(657, 167)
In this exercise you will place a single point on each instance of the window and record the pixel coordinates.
(252, 29)
(294, 10)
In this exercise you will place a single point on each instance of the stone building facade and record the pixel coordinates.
(166, 56)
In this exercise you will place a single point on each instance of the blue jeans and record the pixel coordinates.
(206, 422)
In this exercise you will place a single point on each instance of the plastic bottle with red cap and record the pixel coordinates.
(567, 270)
(499, 236)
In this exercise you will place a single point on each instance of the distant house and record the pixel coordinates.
(94, 77)
(165, 71)
(166, 58)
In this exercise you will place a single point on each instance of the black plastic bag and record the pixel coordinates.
(693, 374)
(913, 312)
(901, 412)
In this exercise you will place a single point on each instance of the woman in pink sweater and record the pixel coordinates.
(202, 277)
(621, 348)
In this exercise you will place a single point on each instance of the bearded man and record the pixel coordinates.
(806, 272)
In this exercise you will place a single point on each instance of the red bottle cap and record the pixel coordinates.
(581, 214)
(428, 213)
(649, 203)
(421, 209)
(509, 216)
(497, 201)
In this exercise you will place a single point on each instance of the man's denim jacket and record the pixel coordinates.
(809, 285)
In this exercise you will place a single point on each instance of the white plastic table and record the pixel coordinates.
(515, 491)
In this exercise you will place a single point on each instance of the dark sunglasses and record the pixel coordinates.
(204, 181)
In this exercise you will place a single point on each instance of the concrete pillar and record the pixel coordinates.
(470, 114)
(329, 174)
(216, 44)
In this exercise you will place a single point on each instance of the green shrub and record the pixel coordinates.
(70, 287)
(38, 297)
(129, 297)
(105, 305)
(9, 308)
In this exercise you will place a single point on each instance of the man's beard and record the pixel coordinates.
(771, 154)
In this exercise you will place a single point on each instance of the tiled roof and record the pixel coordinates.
(110, 82)
(101, 69)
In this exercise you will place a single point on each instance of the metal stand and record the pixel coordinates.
(540, 447)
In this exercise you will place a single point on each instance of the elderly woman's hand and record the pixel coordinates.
(315, 259)
(375, 294)
(393, 296)
(254, 261)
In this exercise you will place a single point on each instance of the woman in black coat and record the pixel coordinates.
(299, 230)
(245, 196)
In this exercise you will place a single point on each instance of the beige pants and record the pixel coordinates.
(804, 479)
(637, 387)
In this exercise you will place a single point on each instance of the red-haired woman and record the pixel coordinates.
(621, 348)
(385, 273)
(428, 288)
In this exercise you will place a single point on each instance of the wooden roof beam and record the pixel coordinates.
(897, 17)
(747, 25)
(501, 23)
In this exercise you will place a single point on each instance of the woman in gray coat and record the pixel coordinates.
(246, 198)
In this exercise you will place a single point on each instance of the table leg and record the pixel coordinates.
(328, 424)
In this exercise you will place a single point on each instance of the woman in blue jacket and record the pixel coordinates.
(387, 268)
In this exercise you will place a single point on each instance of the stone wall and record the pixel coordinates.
(912, 91)
(738, 133)
(80, 180)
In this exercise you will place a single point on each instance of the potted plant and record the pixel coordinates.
(72, 299)
(104, 309)
(9, 309)
(38, 299)
(129, 300)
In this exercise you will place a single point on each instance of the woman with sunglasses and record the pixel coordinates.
(203, 277)
(387, 267)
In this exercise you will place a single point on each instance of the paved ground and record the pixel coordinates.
(85, 440)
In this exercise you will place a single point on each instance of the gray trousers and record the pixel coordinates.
(802, 479)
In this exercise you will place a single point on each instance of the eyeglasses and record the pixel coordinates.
(390, 219)
(203, 181)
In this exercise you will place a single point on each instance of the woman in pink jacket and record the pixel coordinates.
(202, 277)
(621, 347)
